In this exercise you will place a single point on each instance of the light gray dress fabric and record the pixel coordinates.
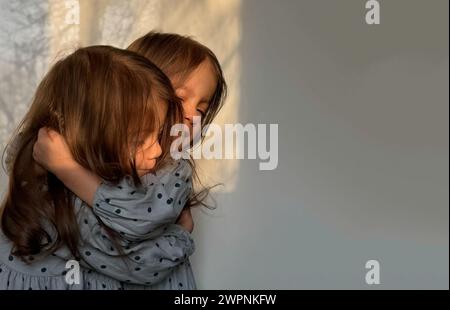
(157, 250)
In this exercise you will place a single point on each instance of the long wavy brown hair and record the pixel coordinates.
(99, 98)
(178, 56)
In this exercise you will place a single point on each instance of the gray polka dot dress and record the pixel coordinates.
(154, 250)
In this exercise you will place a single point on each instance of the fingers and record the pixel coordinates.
(42, 132)
(42, 136)
(52, 133)
(47, 133)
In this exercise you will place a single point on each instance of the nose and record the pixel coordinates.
(189, 119)
(190, 110)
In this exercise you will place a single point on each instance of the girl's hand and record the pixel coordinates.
(185, 220)
(51, 151)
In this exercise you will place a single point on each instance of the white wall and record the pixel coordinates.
(363, 164)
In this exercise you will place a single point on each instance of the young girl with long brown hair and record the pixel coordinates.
(113, 108)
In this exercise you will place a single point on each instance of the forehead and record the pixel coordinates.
(201, 82)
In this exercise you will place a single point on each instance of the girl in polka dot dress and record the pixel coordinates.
(196, 73)
(191, 65)
(98, 98)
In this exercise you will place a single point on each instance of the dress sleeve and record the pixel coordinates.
(139, 212)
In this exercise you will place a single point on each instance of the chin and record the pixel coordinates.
(150, 165)
(142, 172)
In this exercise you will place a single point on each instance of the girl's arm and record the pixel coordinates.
(79, 180)
(136, 213)
(51, 152)
(141, 213)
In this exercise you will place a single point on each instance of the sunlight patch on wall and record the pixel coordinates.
(216, 24)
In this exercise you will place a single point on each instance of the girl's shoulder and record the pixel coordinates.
(175, 169)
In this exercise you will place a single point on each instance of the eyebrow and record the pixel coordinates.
(202, 100)
(207, 100)
(184, 88)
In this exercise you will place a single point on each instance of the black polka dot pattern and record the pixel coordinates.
(159, 203)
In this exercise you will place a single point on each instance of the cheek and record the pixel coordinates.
(138, 158)
(152, 152)
(188, 109)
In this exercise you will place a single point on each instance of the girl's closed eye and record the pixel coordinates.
(202, 107)
(202, 113)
